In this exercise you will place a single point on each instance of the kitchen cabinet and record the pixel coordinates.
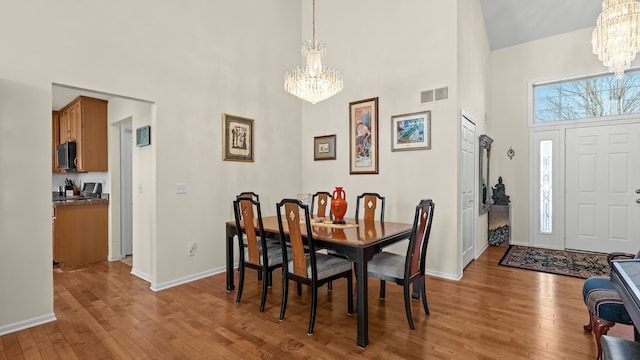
(55, 140)
(80, 233)
(84, 120)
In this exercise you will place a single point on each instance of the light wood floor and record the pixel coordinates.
(494, 312)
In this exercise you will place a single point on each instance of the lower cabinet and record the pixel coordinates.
(80, 233)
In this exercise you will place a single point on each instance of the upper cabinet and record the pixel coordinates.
(84, 120)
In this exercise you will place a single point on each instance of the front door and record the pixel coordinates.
(603, 188)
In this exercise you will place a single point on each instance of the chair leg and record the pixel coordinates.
(407, 304)
(349, 295)
(285, 291)
(423, 290)
(240, 281)
(382, 289)
(299, 289)
(601, 327)
(263, 298)
(330, 285)
(269, 279)
(314, 301)
(589, 326)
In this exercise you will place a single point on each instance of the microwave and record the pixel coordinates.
(66, 156)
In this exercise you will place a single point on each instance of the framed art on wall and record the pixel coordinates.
(411, 131)
(143, 136)
(363, 136)
(324, 147)
(237, 138)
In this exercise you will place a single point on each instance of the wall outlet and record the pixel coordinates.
(181, 188)
(191, 249)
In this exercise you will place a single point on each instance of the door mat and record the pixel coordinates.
(562, 262)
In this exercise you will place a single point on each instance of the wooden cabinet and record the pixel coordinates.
(80, 233)
(84, 120)
(55, 140)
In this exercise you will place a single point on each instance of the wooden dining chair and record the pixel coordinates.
(404, 270)
(307, 267)
(323, 202)
(370, 204)
(260, 254)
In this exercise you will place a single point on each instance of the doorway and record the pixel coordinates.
(126, 186)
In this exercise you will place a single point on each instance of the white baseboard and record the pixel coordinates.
(115, 258)
(144, 276)
(21, 325)
(190, 278)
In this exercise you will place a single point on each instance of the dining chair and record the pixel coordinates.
(404, 270)
(324, 203)
(260, 254)
(307, 267)
(370, 204)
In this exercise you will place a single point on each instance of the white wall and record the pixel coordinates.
(512, 69)
(395, 50)
(194, 60)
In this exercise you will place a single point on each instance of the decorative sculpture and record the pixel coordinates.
(499, 197)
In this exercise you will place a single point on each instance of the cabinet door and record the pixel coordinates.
(75, 121)
(65, 131)
(55, 138)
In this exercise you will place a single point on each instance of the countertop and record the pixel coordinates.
(77, 200)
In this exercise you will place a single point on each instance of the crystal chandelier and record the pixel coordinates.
(313, 82)
(616, 38)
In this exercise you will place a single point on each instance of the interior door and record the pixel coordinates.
(602, 182)
(468, 189)
(126, 188)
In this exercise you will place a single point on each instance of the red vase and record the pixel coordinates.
(338, 205)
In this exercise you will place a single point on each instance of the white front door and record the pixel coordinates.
(602, 188)
(468, 189)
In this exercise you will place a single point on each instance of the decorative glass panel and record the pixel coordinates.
(546, 186)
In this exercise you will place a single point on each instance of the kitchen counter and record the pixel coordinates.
(78, 201)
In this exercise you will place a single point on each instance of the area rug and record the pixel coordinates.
(562, 262)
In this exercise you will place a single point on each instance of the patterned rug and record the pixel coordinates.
(571, 263)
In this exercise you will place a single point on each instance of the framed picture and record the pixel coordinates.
(237, 138)
(411, 131)
(363, 136)
(143, 136)
(324, 147)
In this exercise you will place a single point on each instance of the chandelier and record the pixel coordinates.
(616, 38)
(313, 82)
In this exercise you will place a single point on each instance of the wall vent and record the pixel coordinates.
(439, 94)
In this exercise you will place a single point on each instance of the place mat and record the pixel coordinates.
(331, 225)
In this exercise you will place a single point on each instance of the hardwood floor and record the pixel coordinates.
(494, 312)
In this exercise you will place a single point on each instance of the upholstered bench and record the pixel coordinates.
(615, 348)
(605, 307)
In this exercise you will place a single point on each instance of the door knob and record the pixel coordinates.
(637, 191)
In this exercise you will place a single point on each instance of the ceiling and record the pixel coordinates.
(512, 22)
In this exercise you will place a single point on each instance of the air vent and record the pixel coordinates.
(439, 94)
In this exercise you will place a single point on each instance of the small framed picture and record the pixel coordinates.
(411, 131)
(237, 138)
(324, 147)
(143, 136)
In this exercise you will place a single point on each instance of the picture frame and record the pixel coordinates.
(363, 136)
(143, 136)
(237, 138)
(411, 131)
(324, 147)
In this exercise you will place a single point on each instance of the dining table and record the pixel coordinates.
(357, 240)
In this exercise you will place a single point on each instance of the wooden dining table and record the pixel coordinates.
(358, 243)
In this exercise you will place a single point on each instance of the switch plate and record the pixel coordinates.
(181, 188)
(191, 249)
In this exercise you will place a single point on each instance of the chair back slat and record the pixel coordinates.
(416, 253)
(292, 216)
(248, 219)
(370, 205)
(322, 200)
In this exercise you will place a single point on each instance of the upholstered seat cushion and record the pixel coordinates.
(603, 300)
(388, 264)
(326, 265)
(274, 254)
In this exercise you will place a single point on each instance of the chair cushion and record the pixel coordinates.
(274, 254)
(603, 300)
(327, 266)
(388, 265)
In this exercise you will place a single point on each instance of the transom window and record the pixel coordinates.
(586, 98)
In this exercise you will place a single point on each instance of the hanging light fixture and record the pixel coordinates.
(313, 82)
(616, 38)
